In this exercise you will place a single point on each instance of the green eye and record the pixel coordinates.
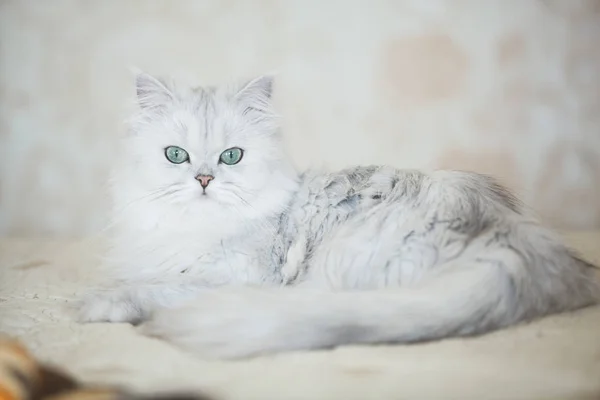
(231, 156)
(176, 155)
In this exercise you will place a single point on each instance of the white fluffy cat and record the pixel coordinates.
(221, 247)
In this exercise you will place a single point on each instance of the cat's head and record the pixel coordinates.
(205, 150)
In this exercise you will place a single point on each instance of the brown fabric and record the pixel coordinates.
(22, 378)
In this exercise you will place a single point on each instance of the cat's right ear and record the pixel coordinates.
(152, 93)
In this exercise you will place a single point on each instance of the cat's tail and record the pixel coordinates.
(468, 300)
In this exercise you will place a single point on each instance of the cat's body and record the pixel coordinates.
(270, 260)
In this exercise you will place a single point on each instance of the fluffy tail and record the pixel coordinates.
(472, 299)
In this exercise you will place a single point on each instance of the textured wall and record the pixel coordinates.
(508, 87)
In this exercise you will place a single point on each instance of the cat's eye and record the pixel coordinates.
(231, 156)
(176, 155)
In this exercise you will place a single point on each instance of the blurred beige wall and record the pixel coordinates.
(506, 87)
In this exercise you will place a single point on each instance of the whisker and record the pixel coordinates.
(152, 196)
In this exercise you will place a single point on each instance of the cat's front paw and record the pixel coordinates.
(109, 307)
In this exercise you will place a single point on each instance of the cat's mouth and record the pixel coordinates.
(204, 193)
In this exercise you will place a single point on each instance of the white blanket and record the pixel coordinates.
(554, 358)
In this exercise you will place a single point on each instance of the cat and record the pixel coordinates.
(222, 248)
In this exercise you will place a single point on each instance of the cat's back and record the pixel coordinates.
(405, 221)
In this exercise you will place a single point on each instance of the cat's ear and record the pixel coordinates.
(152, 93)
(255, 95)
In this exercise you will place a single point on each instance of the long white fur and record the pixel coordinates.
(271, 260)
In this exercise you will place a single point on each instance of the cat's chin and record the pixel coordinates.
(213, 202)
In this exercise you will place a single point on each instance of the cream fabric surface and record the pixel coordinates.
(555, 358)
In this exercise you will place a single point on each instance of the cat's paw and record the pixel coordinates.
(294, 260)
(226, 324)
(108, 307)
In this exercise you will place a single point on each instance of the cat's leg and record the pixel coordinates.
(132, 301)
(110, 305)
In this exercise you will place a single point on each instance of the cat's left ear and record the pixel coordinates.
(256, 94)
(152, 93)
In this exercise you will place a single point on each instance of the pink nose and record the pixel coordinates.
(204, 180)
